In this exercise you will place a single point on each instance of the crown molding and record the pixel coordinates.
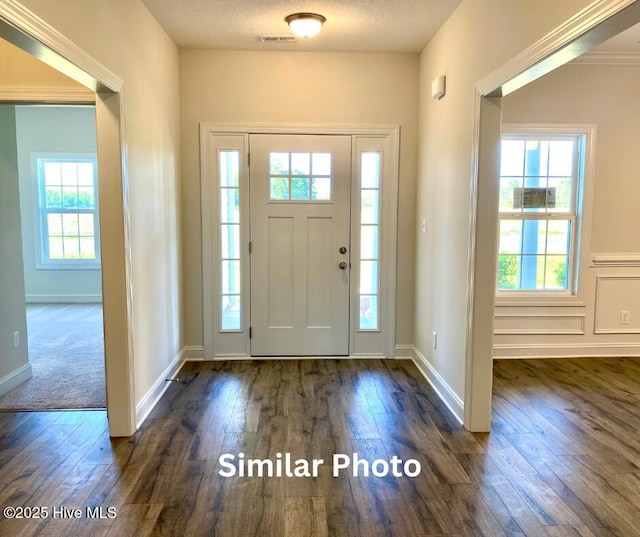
(47, 95)
(603, 57)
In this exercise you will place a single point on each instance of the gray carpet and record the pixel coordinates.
(66, 352)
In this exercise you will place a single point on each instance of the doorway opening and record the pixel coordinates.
(60, 234)
(592, 27)
(29, 33)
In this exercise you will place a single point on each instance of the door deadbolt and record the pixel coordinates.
(343, 249)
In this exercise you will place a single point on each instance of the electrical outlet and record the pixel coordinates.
(434, 340)
(16, 340)
(624, 317)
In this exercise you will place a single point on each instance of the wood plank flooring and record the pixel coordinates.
(563, 458)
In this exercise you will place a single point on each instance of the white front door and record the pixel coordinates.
(300, 247)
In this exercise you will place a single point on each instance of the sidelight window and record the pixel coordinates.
(231, 283)
(369, 276)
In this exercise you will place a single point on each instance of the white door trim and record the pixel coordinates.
(212, 348)
(21, 27)
(47, 95)
(588, 28)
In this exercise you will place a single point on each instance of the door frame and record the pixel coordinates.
(588, 28)
(23, 29)
(220, 345)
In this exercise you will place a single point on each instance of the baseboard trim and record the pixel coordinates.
(444, 391)
(15, 378)
(404, 351)
(591, 350)
(193, 353)
(63, 299)
(197, 355)
(150, 400)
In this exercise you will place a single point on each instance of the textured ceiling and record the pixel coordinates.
(352, 25)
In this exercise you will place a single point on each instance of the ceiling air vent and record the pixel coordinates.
(277, 38)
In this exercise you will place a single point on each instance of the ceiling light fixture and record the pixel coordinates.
(305, 24)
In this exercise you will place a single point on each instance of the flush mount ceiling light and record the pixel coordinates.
(305, 24)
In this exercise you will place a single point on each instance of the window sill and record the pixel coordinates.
(69, 266)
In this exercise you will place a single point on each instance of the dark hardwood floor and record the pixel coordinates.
(563, 458)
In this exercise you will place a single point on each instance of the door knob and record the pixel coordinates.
(343, 249)
(342, 265)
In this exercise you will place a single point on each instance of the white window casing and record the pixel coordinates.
(577, 215)
(66, 211)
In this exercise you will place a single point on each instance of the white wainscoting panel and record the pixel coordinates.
(615, 260)
(614, 296)
(539, 324)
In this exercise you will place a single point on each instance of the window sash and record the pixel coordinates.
(370, 227)
(231, 299)
(43, 213)
(571, 264)
(571, 215)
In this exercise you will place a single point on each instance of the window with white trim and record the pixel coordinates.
(230, 269)
(67, 211)
(370, 162)
(541, 184)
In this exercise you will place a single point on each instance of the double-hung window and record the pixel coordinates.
(67, 211)
(541, 184)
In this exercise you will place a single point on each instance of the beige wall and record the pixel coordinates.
(478, 38)
(286, 87)
(13, 313)
(126, 39)
(21, 70)
(605, 96)
(52, 129)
